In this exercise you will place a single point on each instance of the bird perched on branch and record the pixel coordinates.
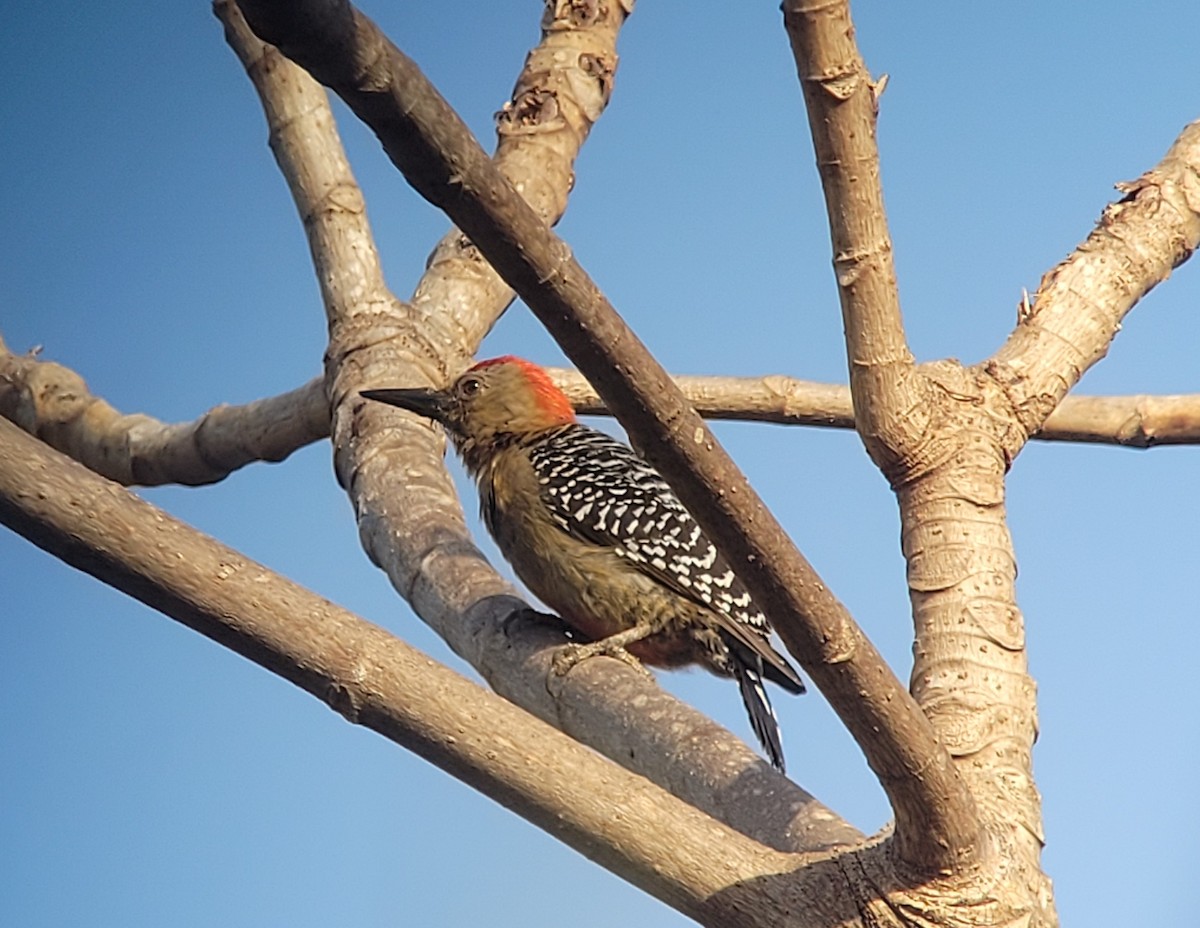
(599, 536)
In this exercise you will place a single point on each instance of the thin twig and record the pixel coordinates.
(135, 449)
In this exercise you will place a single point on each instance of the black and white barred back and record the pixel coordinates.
(599, 489)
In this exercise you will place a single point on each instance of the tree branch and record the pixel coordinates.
(1079, 305)
(842, 108)
(1140, 421)
(440, 158)
(562, 90)
(658, 842)
(944, 435)
(53, 403)
(414, 527)
(970, 669)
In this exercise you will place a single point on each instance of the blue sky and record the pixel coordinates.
(149, 777)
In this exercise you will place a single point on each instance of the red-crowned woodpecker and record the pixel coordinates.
(599, 536)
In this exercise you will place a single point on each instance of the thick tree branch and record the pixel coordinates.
(562, 90)
(412, 525)
(928, 430)
(842, 108)
(944, 435)
(669, 849)
(657, 842)
(1079, 305)
(440, 158)
(970, 669)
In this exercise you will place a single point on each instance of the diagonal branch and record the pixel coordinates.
(414, 527)
(658, 842)
(564, 87)
(1078, 308)
(440, 158)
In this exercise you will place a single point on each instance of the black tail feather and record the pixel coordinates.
(784, 675)
(758, 705)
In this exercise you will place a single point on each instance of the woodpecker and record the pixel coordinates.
(599, 536)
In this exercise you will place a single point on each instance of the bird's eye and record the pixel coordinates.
(470, 386)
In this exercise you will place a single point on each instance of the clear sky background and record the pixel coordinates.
(149, 777)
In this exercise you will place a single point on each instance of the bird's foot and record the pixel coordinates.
(570, 655)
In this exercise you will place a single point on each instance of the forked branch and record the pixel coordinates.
(414, 526)
(438, 155)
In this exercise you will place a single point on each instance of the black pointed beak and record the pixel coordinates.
(432, 404)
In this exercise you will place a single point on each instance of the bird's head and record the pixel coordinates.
(495, 402)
